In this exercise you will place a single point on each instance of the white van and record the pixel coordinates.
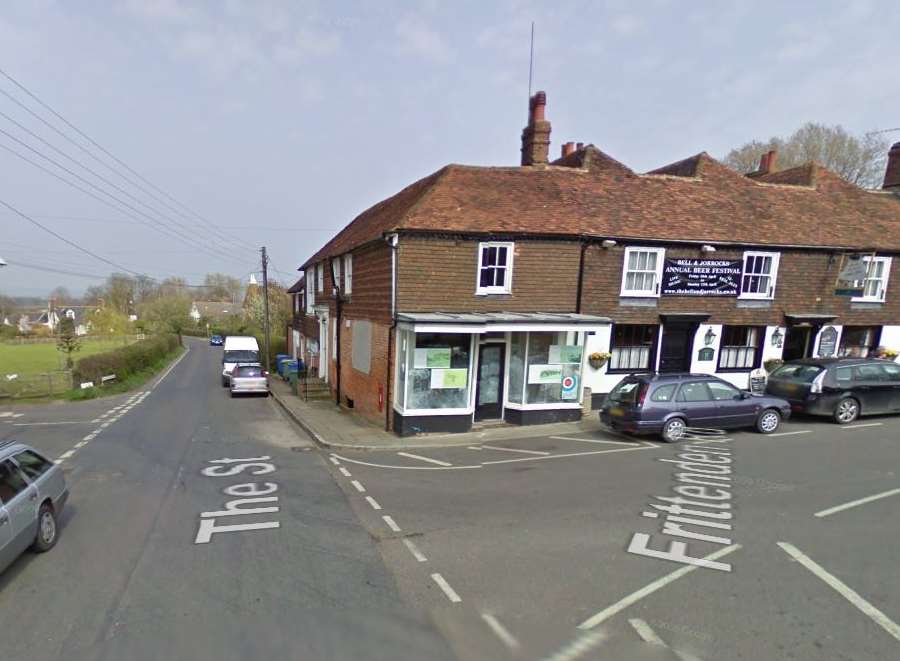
(244, 350)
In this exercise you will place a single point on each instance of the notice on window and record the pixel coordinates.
(852, 276)
(564, 353)
(570, 385)
(449, 378)
(544, 373)
(432, 358)
(701, 277)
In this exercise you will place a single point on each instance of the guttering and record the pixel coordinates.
(338, 308)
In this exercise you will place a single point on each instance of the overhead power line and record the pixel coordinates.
(109, 154)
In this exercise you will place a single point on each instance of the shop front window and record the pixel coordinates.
(517, 346)
(857, 341)
(554, 367)
(438, 371)
(403, 340)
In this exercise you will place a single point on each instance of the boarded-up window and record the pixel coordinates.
(362, 345)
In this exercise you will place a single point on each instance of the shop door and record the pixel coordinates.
(675, 353)
(489, 388)
(797, 343)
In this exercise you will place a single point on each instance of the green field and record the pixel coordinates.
(29, 359)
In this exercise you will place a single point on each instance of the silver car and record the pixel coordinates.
(247, 379)
(32, 495)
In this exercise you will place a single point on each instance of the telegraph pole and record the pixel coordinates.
(265, 274)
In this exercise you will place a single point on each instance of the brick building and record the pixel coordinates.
(480, 292)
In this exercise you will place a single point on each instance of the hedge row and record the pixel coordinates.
(125, 361)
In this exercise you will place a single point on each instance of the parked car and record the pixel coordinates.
(238, 349)
(666, 404)
(843, 388)
(247, 379)
(216, 340)
(32, 495)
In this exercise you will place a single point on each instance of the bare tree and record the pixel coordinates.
(221, 287)
(858, 159)
(61, 296)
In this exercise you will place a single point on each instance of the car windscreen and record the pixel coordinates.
(800, 373)
(249, 371)
(624, 392)
(241, 356)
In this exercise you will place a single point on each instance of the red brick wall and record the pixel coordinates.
(363, 388)
(436, 274)
(805, 285)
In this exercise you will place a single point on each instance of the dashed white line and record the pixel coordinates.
(578, 647)
(416, 553)
(501, 632)
(856, 503)
(539, 453)
(842, 589)
(66, 455)
(391, 523)
(591, 440)
(373, 503)
(868, 424)
(335, 461)
(445, 586)
(791, 433)
(650, 588)
(359, 487)
(421, 458)
(81, 444)
(647, 634)
(473, 447)
(344, 472)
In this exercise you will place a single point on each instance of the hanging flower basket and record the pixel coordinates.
(598, 359)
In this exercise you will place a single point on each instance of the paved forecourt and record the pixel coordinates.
(535, 550)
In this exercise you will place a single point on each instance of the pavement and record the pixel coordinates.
(338, 428)
(520, 547)
(300, 579)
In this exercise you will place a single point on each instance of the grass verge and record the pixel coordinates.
(136, 380)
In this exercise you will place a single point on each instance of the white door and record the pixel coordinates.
(323, 347)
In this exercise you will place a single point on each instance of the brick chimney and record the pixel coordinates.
(767, 162)
(568, 148)
(892, 174)
(536, 136)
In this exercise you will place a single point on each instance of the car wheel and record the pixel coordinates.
(47, 531)
(673, 430)
(847, 410)
(768, 421)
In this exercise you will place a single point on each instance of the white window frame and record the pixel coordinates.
(320, 277)
(773, 275)
(642, 293)
(348, 273)
(508, 268)
(879, 297)
(310, 289)
(336, 270)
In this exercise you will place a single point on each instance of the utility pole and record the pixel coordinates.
(265, 273)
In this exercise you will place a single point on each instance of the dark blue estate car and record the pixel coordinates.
(666, 404)
(216, 341)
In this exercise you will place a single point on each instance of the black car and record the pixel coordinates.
(843, 388)
(666, 404)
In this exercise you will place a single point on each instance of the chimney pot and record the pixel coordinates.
(568, 148)
(536, 136)
(579, 146)
(772, 161)
(764, 163)
(892, 173)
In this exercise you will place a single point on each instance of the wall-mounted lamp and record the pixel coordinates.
(707, 248)
(709, 338)
(777, 338)
(608, 243)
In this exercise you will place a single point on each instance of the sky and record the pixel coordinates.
(249, 124)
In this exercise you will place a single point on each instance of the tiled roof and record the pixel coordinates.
(590, 193)
(215, 309)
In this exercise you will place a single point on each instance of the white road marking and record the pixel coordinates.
(373, 503)
(166, 373)
(592, 440)
(563, 456)
(647, 634)
(868, 424)
(358, 486)
(578, 647)
(842, 589)
(791, 433)
(334, 460)
(445, 586)
(502, 449)
(105, 425)
(856, 503)
(501, 632)
(409, 468)
(417, 554)
(344, 472)
(66, 455)
(421, 458)
(38, 424)
(649, 589)
(474, 447)
(81, 444)
(391, 523)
